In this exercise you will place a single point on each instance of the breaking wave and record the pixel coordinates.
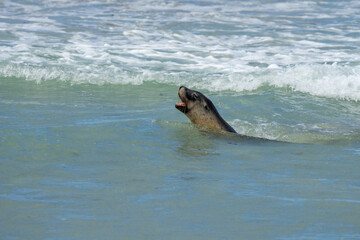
(325, 80)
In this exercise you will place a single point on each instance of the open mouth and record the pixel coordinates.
(181, 106)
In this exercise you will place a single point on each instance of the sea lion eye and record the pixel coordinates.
(206, 107)
(195, 96)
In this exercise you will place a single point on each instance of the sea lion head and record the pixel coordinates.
(200, 110)
(191, 102)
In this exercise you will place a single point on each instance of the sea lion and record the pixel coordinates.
(200, 110)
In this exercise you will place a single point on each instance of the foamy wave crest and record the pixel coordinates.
(74, 75)
(319, 80)
(323, 80)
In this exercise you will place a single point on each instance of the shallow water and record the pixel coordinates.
(93, 148)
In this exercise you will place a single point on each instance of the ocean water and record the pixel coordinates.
(92, 147)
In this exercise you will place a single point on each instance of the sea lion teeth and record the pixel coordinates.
(181, 104)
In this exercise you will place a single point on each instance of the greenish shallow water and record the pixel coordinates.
(120, 162)
(91, 146)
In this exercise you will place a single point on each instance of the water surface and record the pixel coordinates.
(93, 148)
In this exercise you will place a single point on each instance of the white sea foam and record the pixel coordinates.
(209, 44)
(320, 80)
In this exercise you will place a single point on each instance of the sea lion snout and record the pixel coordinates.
(182, 93)
(182, 106)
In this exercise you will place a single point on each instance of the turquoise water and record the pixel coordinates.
(92, 146)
